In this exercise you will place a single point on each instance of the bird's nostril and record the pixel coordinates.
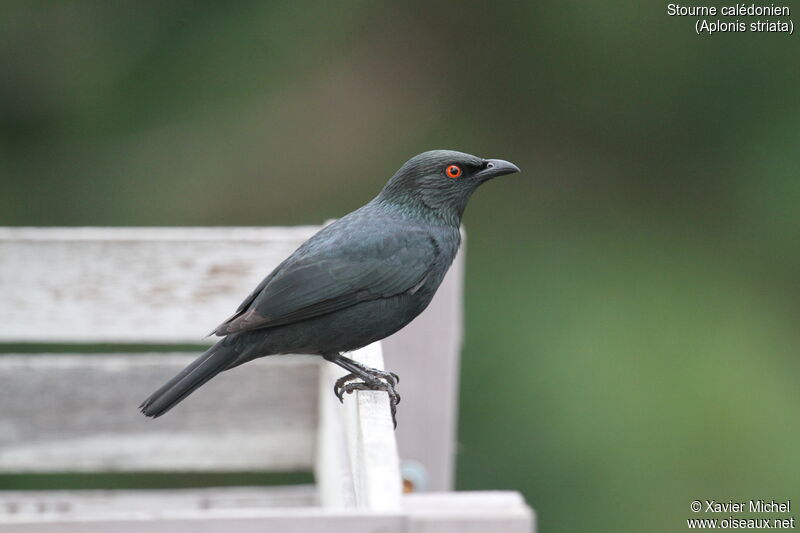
(490, 165)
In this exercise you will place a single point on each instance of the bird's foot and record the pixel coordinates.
(376, 380)
(386, 381)
(394, 398)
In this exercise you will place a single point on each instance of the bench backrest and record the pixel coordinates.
(162, 286)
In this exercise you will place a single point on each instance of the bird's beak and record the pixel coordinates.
(497, 167)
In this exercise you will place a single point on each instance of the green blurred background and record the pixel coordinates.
(632, 298)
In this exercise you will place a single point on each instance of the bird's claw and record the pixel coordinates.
(378, 380)
(339, 386)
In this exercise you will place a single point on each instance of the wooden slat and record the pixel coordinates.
(254, 510)
(79, 505)
(357, 462)
(72, 412)
(468, 512)
(148, 285)
(333, 472)
(224, 521)
(371, 442)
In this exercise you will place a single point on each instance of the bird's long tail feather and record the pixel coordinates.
(212, 362)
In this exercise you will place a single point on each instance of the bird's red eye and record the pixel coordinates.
(453, 171)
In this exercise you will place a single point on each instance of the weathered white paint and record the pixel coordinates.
(333, 471)
(357, 459)
(371, 442)
(152, 285)
(306, 520)
(78, 505)
(138, 285)
(468, 512)
(256, 510)
(72, 412)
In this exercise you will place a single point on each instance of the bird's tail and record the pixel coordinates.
(216, 359)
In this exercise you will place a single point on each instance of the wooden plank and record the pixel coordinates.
(426, 355)
(81, 505)
(468, 512)
(333, 471)
(73, 412)
(257, 509)
(363, 472)
(240, 521)
(137, 285)
(371, 442)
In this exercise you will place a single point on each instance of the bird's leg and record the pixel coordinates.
(388, 376)
(370, 379)
(359, 371)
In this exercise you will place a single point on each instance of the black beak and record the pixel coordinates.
(496, 167)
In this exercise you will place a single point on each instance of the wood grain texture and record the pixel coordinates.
(371, 442)
(162, 285)
(358, 464)
(468, 512)
(333, 471)
(72, 412)
(286, 509)
(138, 285)
(157, 285)
(307, 520)
(82, 505)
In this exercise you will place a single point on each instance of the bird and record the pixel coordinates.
(356, 281)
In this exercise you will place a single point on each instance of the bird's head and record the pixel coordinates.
(442, 181)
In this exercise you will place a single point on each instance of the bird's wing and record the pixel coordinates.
(348, 269)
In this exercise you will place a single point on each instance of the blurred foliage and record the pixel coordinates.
(632, 296)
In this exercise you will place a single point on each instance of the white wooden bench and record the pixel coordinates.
(63, 411)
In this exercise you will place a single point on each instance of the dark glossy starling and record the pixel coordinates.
(356, 281)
